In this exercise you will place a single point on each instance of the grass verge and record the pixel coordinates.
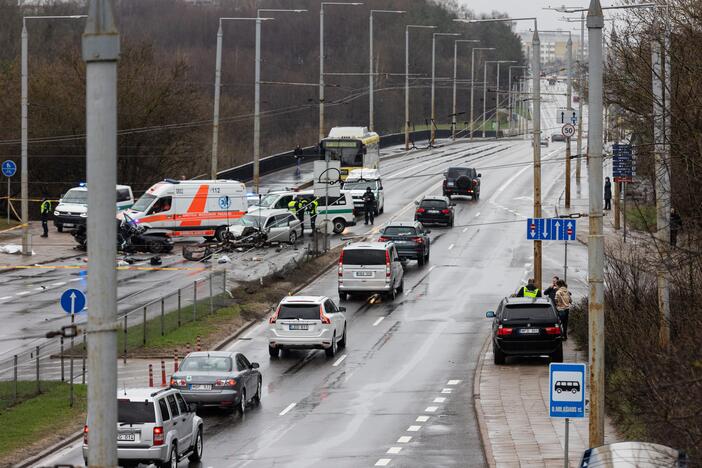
(38, 422)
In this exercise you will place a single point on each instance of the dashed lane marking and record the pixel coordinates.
(56, 285)
(287, 409)
(394, 450)
(453, 382)
(422, 419)
(383, 462)
(446, 390)
(404, 439)
(23, 293)
(380, 319)
(340, 360)
(5, 298)
(431, 409)
(465, 229)
(439, 400)
(414, 428)
(451, 246)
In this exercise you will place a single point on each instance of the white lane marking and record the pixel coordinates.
(431, 409)
(60, 283)
(5, 297)
(451, 246)
(478, 214)
(453, 382)
(23, 293)
(383, 462)
(439, 400)
(380, 319)
(394, 450)
(75, 279)
(40, 288)
(465, 229)
(446, 390)
(413, 428)
(422, 419)
(340, 360)
(287, 409)
(404, 439)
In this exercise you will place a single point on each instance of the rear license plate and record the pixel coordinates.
(433, 211)
(298, 326)
(364, 274)
(126, 437)
(529, 331)
(200, 387)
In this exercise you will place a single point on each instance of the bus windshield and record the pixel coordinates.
(347, 152)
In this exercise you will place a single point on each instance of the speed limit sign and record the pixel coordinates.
(568, 130)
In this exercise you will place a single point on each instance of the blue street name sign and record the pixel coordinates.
(9, 168)
(623, 164)
(557, 229)
(73, 301)
(567, 390)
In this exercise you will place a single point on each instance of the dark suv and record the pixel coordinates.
(462, 181)
(525, 326)
(434, 210)
(410, 238)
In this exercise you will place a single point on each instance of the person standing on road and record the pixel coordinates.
(369, 205)
(301, 208)
(312, 208)
(45, 209)
(563, 301)
(608, 194)
(676, 225)
(550, 292)
(298, 159)
(530, 290)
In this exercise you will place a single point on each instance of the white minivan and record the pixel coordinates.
(370, 268)
(72, 208)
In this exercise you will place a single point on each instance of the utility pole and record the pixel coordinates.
(472, 86)
(569, 98)
(596, 323)
(24, 176)
(485, 94)
(433, 84)
(536, 46)
(407, 114)
(101, 50)
(215, 119)
(580, 96)
(497, 96)
(455, 72)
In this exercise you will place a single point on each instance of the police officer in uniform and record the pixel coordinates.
(45, 209)
(530, 290)
(312, 208)
(369, 205)
(301, 208)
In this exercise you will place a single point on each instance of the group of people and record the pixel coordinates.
(300, 206)
(559, 295)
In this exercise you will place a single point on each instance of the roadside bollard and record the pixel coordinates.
(163, 373)
(199, 343)
(175, 361)
(151, 376)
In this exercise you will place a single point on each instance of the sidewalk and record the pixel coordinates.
(58, 246)
(512, 407)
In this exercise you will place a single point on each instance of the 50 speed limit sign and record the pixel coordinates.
(568, 130)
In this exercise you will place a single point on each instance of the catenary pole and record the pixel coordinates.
(472, 85)
(455, 76)
(596, 312)
(215, 119)
(407, 90)
(485, 94)
(581, 73)
(536, 50)
(432, 131)
(101, 48)
(569, 101)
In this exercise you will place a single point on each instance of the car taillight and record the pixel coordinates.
(159, 438)
(420, 210)
(383, 239)
(341, 264)
(225, 383)
(387, 265)
(502, 331)
(553, 330)
(274, 317)
(418, 240)
(85, 435)
(446, 211)
(177, 382)
(323, 317)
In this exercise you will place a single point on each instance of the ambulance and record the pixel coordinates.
(190, 208)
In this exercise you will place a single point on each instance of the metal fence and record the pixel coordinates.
(30, 372)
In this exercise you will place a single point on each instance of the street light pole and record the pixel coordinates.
(536, 46)
(472, 82)
(512, 97)
(407, 115)
(569, 100)
(485, 93)
(455, 67)
(101, 50)
(433, 84)
(497, 97)
(24, 123)
(371, 75)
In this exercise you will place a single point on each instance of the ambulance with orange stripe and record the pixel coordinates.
(190, 208)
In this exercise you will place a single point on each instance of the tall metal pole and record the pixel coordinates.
(215, 118)
(453, 97)
(581, 70)
(484, 95)
(509, 101)
(472, 86)
(569, 100)
(407, 88)
(497, 102)
(101, 52)
(433, 82)
(595, 23)
(371, 78)
(536, 46)
(24, 176)
(321, 71)
(257, 109)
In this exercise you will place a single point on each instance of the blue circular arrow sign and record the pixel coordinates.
(73, 301)
(9, 168)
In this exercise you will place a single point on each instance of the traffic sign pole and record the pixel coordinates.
(8, 201)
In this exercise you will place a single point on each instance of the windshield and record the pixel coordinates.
(361, 185)
(347, 156)
(399, 231)
(135, 412)
(248, 220)
(206, 364)
(78, 197)
(144, 202)
(267, 201)
(299, 311)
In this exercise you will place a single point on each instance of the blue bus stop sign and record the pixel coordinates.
(567, 390)
(73, 301)
(9, 168)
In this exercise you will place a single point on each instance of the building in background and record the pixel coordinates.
(553, 47)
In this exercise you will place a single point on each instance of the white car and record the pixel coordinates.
(307, 322)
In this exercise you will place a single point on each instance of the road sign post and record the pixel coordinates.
(566, 395)
(72, 302)
(9, 169)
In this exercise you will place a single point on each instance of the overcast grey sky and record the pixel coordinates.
(517, 8)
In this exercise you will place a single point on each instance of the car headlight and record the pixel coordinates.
(56, 213)
(84, 215)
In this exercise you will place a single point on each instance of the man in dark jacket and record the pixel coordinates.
(369, 205)
(298, 158)
(45, 210)
(550, 292)
(607, 194)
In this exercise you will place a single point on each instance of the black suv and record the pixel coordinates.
(524, 326)
(462, 181)
(434, 210)
(410, 238)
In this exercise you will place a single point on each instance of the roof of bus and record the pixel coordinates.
(353, 133)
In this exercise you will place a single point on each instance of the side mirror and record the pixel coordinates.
(490, 314)
(480, 175)
(255, 365)
(342, 309)
(416, 202)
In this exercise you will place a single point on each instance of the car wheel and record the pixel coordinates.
(382, 210)
(450, 223)
(293, 238)
(401, 288)
(331, 351)
(421, 260)
(196, 453)
(342, 342)
(221, 233)
(172, 461)
(59, 227)
(242, 404)
(155, 247)
(499, 356)
(343, 296)
(273, 351)
(558, 355)
(339, 225)
(392, 295)
(257, 396)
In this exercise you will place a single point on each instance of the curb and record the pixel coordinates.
(221, 345)
(482, 426)
(46, 452)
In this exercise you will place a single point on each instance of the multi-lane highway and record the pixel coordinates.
(400, 394)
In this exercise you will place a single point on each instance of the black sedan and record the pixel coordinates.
(434, 210)
(219, 378)
(410, 238)
(525, 326)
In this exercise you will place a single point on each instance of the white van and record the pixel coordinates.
(357, 182)
(370, 268)
(72, 208)
(190, 208)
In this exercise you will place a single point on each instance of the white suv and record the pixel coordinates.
(307, 322)
(154, 426)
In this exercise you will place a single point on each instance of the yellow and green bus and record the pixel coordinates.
(353, 147)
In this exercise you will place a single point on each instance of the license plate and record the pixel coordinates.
(433, 211)
(365, 274)
(529, 331)
(298, 326)
(200, 387)
(126, 437)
